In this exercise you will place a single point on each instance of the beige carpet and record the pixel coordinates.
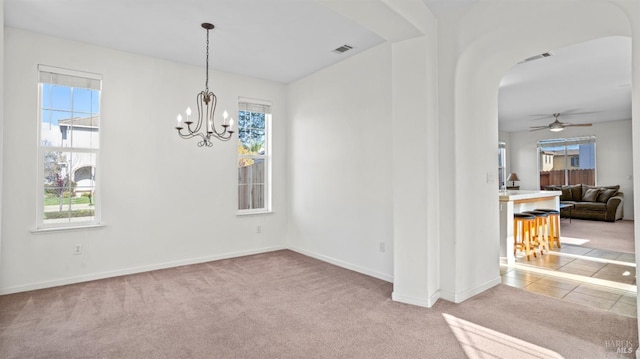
(286, 305)
(612, 236)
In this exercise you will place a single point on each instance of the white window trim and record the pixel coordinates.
(268, 158)
(567, 142)
(40, 226)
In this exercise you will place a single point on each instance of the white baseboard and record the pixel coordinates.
(134, 270)
(462, 296)
(421, 302)
(343, 264)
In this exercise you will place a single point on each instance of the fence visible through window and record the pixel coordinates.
(254, 156)
(251, 185)
(549, 178)
(567, 161)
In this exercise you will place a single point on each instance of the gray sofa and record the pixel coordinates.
(600, 203)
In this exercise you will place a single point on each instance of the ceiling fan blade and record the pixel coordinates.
(576, 125)
(571, 113)
(540, 117)
(538, 128)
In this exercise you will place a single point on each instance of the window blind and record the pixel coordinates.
(254, 107)
(69, 78)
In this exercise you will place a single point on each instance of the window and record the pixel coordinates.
(502, 172)
(68, 145)
(567, 161)
(575, 162)
(254, 156)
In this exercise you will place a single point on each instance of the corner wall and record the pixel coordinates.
(340, 164)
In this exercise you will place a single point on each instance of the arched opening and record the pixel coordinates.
(481, 60)
(589, 85)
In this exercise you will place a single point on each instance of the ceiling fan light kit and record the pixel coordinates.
(557, 126)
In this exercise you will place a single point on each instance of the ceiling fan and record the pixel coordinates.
(557, 126)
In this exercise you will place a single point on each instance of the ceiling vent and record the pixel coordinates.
(537, 57)
(342, 49)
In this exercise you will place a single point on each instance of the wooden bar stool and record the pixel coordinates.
(554, 226)
(522, 238)
(541, 229)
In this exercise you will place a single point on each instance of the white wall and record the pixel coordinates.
(164, 200)
(614, 156)
(340, 160)
(1, 114)
(416, 184)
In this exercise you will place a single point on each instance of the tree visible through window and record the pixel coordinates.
(69, 124)
(254, 165)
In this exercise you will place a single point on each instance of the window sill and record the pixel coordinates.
(70, 228)
(249, 213)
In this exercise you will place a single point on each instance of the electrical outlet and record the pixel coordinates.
(383, 247)
(77, 249)
(258, 229)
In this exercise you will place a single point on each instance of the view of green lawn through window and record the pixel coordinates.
(69, 143)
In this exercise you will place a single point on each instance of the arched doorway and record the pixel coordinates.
(589, 84)
(480, 61)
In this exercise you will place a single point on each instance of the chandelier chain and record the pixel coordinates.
(206, 83)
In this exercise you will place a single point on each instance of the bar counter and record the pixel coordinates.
(516, 201)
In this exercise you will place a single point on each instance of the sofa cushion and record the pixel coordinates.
(590, 195)
(605, 194)
(566, 193)
(616, 187)
(576, 192)
(590, 206)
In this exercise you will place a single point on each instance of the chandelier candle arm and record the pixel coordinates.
(206, 102)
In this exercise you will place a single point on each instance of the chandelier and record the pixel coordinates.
(205, 126)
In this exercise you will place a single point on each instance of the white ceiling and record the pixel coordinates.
(278, 40)
(586, 83)
(285, 40)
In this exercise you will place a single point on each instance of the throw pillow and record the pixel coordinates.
(576, 192)
(590, 195)
(616, 187)
(606, 194)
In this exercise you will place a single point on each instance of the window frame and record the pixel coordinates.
(568, 161)
(502, 165)
(94, 82)
(266, 157)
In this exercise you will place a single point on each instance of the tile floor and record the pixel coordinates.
(592, 277)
